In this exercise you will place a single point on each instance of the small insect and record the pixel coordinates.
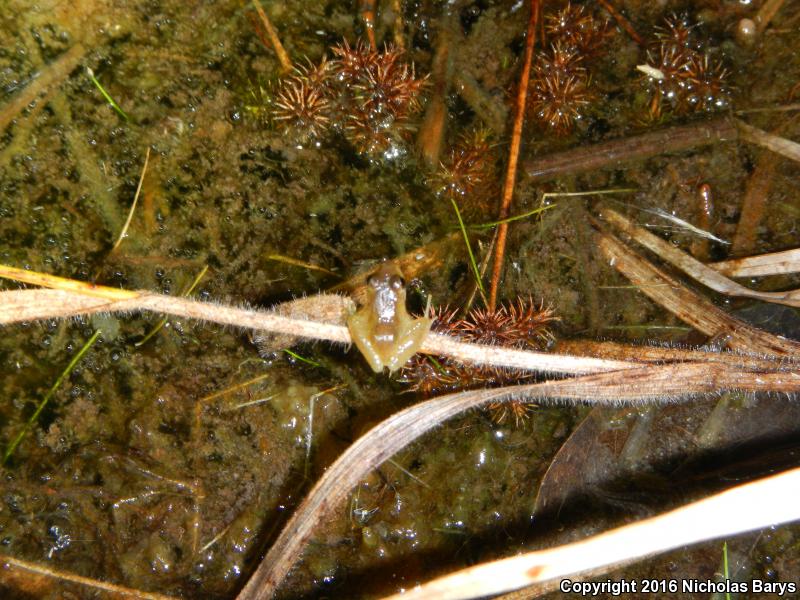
(382, 329)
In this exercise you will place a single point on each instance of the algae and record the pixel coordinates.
(141, 473)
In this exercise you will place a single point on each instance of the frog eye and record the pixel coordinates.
(372, 281)
(397, 282)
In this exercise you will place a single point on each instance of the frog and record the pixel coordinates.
(382, 329)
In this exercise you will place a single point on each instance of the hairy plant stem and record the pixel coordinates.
(331, 310)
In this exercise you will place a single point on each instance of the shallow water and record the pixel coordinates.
(140, 472)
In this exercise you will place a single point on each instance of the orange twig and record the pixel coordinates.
(283, 56)
(622, 22)
(513, 155)
(368, 15)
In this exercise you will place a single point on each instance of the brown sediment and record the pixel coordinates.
(49, 76)
(614, 153)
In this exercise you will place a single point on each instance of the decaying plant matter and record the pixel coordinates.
(326, 168)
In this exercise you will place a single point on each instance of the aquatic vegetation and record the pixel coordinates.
(576, 28)
(302, 107)
(559, 101)
(368, 96)
(467, 174)
(519, 324)
(680, 75)
(561, 85)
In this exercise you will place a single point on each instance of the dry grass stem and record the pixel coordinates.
(127, 224)
(779, 145)
(661, 383)
(691, 307)
(27, 305)
(654, 354)
(10, 564)
(774, 263)
(721, 515)
(693, 267)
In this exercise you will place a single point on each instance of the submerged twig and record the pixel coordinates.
(513, 155)
(612, 153)
(367, 10)
(622, 22)
(432, 130)
(283, 56)
(725, 514)
(754, 204)
(766, 13)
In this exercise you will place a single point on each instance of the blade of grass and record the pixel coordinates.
(163, 320)
(106, 95)
(469, 250)
(726, 574)
(13, 445)
(299, 263)
(301, 358)
(530, 213)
